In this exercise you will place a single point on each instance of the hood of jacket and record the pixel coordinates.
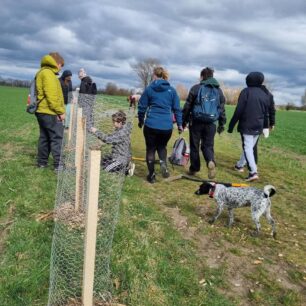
(65, 74)
(87, 79)
(160, 85)
(254, 79)
(49, 61)
(210, 81)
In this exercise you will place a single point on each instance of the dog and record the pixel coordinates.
(235, 197)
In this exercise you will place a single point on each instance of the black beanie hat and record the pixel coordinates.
(66, 73)
(255, 79)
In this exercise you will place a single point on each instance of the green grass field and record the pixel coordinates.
(164, 250)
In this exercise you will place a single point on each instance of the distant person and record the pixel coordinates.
(156, 106)
(66, 84)
(87, 95)
(87, 86)
(133, 100)
(254, 112)
(120, 158)
(202, 124)
(51, 110)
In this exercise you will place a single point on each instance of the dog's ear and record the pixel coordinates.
(203, 189)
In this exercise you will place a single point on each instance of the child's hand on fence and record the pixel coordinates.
(93, 129)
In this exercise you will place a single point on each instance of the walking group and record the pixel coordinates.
(203, 114)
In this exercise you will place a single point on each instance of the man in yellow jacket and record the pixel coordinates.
(51, 110)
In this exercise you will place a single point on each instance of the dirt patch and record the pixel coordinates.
(239, 262)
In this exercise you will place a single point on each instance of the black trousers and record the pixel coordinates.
(156, 140)
(204, 134)
(50, 138)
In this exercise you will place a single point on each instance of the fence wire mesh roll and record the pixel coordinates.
(99, 129)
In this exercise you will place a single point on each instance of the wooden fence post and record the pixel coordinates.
(91, 220)
(79, 157)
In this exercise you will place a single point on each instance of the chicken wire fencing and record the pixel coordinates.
(81, 234)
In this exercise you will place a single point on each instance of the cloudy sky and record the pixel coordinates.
(107, 36)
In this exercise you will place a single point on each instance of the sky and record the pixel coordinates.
(106, 37)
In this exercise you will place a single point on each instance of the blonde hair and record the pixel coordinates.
(160, 72)
(58, 58)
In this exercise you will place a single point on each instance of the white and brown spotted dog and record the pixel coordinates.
(235, 197)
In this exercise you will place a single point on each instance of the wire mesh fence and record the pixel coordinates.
(96, 124)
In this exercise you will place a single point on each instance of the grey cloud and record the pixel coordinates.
(107, 36)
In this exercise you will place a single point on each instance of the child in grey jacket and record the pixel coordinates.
(120, 158)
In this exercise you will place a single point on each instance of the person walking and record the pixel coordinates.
(202, 123)
(50, 113)
(255, 111)
(155, 110)
(66, 84)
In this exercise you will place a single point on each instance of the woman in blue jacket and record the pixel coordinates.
(156, 107)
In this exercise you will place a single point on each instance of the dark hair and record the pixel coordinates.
(207, 73)
(119, 116)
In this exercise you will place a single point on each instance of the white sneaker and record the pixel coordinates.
(211, 170)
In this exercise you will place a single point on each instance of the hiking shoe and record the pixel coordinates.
(191, 172)
(239, 169)
(252, 177)
(164, 170)
(151, 178)
(58, 169)
(131, 169)
(211, 169)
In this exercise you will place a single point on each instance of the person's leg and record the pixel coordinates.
(43, 141)
(150, 139)
(162, 141)
(55, 130)
(194, 140)
(207, 142)
(248, 147)
(255, 149)
(207, 147)
(242, 161)
(67, 115)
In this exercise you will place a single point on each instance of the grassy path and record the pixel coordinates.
(165, 252)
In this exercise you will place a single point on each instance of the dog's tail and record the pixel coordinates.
(269, 191)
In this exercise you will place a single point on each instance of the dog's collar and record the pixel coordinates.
(211, 192)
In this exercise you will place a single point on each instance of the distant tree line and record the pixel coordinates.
(14, 83)
(144, 70)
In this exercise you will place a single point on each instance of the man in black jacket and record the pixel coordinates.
(254, 112)
(203, 132)
(87, 97)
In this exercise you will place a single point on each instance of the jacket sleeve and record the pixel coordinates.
(143, 105)
(53, 92)
(242, 100)
(271, 112)
(192, 95)
(112, 138)
(222, 117)
(176, 108)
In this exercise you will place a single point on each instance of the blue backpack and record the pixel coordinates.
(206, 108)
